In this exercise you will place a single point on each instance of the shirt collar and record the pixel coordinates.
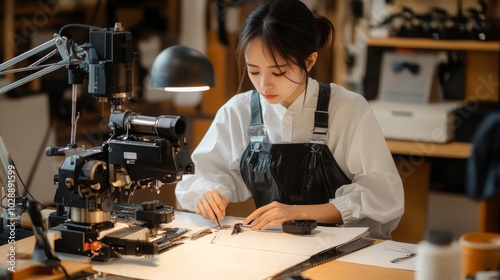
(305, 97)
(300, 103)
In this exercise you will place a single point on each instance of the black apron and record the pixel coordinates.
(295, 173)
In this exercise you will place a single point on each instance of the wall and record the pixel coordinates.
(26, 130)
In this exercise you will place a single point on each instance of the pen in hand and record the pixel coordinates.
(206, 205)
(216, 218)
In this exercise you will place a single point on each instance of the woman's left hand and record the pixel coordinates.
(272, 214)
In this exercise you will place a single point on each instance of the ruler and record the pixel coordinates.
(324, 256)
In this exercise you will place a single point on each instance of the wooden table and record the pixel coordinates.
(330, 270)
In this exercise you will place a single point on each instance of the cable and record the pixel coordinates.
(221, 6)
(64, 271)
(41, 151)
(22, 183)
(4, 207)
(95, 12)
(78, 26)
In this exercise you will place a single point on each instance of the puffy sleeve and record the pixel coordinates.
(217, 157)
(376, 197)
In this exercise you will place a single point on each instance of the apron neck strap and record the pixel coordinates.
(320, 131)
(257, 131)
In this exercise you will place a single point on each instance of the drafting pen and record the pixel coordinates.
(216, 218)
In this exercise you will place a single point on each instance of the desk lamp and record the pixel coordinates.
(182, 69)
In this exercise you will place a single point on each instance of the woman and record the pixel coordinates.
(302, 149)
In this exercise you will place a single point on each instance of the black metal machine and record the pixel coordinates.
(141, 152)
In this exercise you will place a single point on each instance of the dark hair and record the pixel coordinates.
(288, 30)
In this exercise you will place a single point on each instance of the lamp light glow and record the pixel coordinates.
(187, 89)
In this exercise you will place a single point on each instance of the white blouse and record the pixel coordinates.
(375, 197)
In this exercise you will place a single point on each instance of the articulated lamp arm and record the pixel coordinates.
(58, 41)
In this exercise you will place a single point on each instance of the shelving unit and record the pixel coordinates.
(482, 62)
(459, 150)
(424, 43)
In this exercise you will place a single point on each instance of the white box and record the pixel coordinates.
(409, 78)
(432, 122)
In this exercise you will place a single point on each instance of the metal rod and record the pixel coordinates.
(29, 78)
(74, 118)
(45, 57)
(32, 68)
(27, 54)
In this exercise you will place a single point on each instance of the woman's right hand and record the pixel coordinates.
(212, 206)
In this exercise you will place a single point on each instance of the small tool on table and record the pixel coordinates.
(409, 256)
(237, 228)
(201, 233)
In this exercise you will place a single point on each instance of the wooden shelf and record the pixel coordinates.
(425, 43)
(459, 150)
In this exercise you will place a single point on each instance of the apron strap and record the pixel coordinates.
(257, 131)
(320, 131)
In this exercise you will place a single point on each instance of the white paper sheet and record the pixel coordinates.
(201, 259)
(382, 253)
(320, 239)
